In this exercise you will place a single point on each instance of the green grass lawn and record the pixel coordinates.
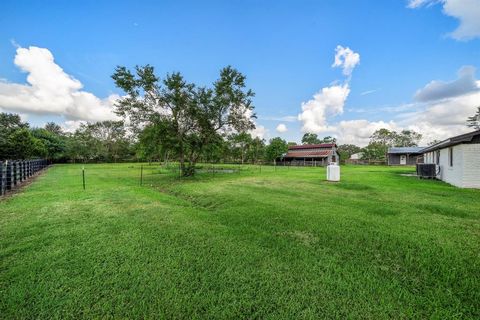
(256, 243)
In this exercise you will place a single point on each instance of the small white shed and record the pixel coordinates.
(458, 159)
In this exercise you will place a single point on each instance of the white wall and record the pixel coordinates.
(465, 172)
(452, 174)
(471, 168)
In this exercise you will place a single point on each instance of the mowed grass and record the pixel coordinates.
(257, 243)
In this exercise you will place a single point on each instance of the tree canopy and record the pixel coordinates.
(187, 117)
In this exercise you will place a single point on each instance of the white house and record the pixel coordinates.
(458, 159)
(356, 156)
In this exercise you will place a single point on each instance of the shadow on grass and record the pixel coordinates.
(444, 210)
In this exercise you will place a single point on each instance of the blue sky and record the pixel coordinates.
(285, 48)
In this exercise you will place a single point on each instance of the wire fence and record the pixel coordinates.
(13, 173)
(96, 177)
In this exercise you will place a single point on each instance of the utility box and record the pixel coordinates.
(333, 172)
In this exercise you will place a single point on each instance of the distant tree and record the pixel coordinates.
(374, 151)
(276, 148)
(54, 128)
(83, 146)
(242, 142)
(431, 143)
(54, 143)
(310, 138)
(149, 146)
(328, 139)
(256, 151)
(291, 143)
(474, 121)
(189, 117)
(112, 137)
(406, 138)
(346, 150)
(380, 141)
(16, 139)
(383, 137)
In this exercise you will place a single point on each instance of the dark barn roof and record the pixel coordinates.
(312, 146)
(467, 137)
(309, 154)
(405, 150)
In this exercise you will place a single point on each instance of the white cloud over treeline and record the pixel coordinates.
(439, 111)
(50, 90)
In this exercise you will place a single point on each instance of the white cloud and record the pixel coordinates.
(72, 125)
(440, 111)
(51, 91)
(358, 132)
(326, 103)
(259, 132)
(284, 118)
(466, 11)
(437, 90)
(329, 101)
(282, 128)
(346, 59)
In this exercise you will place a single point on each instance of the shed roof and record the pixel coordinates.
(403, 150)
(308, 154)
(467, 137)
(312, 146)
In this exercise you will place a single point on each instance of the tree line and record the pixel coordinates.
(171, 119)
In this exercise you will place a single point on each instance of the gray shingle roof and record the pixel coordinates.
(467, 137)
(403, 150)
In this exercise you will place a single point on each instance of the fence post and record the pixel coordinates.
(83, 177)
(9, 175)
(3, 171)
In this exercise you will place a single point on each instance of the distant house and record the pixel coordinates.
(356, 156)
(404, 156)
(311, 154)
(457, 159)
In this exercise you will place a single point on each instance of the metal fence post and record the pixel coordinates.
(83, 175)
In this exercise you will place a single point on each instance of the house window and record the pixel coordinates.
(437, 153)
(450, 157)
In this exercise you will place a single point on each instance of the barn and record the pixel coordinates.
(404, 156)
(311, 155)
(457, 160)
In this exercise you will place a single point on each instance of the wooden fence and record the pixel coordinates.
(366, 162)
(14, 172)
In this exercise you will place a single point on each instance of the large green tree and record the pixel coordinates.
(189, 117)
(275, 149)
(16, 139)
(53, 140)
(310, 138)
(406, 138)
(346, 150)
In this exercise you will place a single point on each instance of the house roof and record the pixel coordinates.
(467, 137)
(308, 154)
(403, 150)
(312, 146)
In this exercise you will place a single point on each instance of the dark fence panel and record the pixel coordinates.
(14, 172)
(3, 178)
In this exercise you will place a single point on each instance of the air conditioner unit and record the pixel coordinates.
(427, 170)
